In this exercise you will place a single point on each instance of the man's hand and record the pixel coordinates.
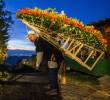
(37, 66)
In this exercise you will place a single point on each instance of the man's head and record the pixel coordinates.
(32, 36)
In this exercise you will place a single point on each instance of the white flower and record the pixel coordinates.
(63, 13)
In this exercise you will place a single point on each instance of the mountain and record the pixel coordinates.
(20, 52)
(14, 60)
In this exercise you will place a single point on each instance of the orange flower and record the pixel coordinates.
(69, 21)
(104, 41)
(52, 18)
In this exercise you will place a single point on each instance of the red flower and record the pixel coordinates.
(24, 10)
(104, 40)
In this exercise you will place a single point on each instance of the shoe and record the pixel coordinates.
(52, 92)
(37, 68)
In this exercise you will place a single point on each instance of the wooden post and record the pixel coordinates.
(88, 56)
(66, 42)
(78, 49)
(70, 44)
(97, 60)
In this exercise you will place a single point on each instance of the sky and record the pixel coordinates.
(85, 10)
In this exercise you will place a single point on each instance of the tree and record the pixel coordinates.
(5, 23)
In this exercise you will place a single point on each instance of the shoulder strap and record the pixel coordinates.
(53, 57)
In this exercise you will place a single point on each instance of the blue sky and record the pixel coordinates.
(85, 10)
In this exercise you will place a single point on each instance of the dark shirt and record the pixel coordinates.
(58, 55)
(43, 46)
(48, 50)
(39, 44)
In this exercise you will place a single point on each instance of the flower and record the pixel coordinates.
(60, 20)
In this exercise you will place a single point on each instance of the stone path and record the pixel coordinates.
(75, 90)
(30, 86)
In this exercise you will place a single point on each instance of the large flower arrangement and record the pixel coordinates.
(60, 23)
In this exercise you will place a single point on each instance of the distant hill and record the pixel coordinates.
(13, 60)
(20, 52)
(14, 56)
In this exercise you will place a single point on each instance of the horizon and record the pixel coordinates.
(20, 49)
(19, 52)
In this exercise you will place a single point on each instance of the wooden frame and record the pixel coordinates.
(71, 50)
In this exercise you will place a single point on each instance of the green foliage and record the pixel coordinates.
(5, 22)
(46, 22)
(55, 26)
(4, 75)
(5, 72)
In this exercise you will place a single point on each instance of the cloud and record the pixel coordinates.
(20, 44)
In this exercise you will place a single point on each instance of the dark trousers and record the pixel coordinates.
(53, 78)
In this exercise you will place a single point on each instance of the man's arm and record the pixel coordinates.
(39, 58)
(39, 53)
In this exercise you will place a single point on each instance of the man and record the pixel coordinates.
(34, 37)
(52, 55)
